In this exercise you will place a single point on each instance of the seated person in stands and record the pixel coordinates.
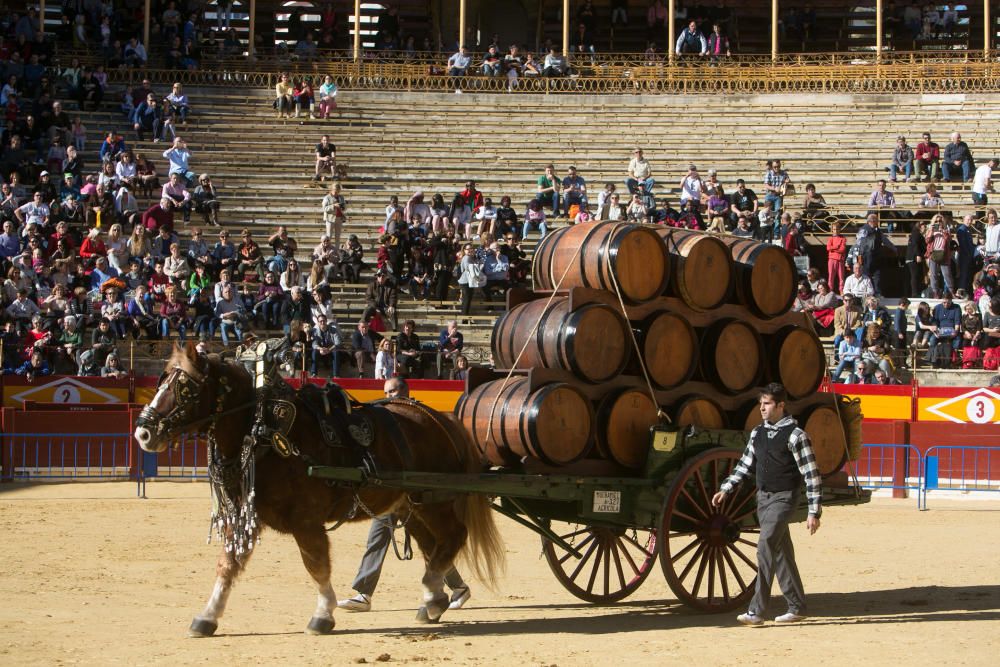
(520, 265)
(743, 200)
(554, 64)
(902, 160)
(251, 259)
(450, 344)
(113, 368)
(506, 219)
(574, 189)
(957, 159)
(35, 366)
(613, 209)
(640, 174)
(382, 295)
(206, 200)
(409, 359)
(636, 210)
(664, 214)
(325, 343)
(991, 324)
(932, 198)
(877, 347)
(492, 62)
(496, 268)
(232, 315)
(946, 328)
(363, 345)
(972, 327)
(743, 228)
(849, 353)
(549, 189)
(846, 318)
(718, 208)
(486, 216)
(927, 158)
(534, 219)
(458, 63)
(858, 284)
(268, 301)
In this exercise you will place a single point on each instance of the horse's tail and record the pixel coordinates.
(484, 550)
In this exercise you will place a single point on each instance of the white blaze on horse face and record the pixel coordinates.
(144, 436)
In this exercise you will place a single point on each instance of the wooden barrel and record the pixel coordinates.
(797, 360)
(634, 254)
(765, 276)
(822, 424)
(826, 432)
(703, 267)
(732, 355)
(699, 411)
(669, 347)
(554, 424)
(591, 342)
(623, 421)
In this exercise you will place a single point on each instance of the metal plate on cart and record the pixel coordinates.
(663, 440)
(607, 502)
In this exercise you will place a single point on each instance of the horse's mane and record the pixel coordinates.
(216, 363)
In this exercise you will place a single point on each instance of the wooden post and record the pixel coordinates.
(357, 30)
(461, 24)
(252, 36)
(987, 30)
(565, 30)
(878, 30)
(145, 27)
(671, 10)
(774, 30)
(41, 16)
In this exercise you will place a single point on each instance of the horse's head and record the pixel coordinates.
(192, 391)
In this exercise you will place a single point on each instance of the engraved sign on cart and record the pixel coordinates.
(607, 502)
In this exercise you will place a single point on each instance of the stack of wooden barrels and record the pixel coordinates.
(710, 318)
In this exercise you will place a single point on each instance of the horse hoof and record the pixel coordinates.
(433, 610)
(320, 626)
(202, 628)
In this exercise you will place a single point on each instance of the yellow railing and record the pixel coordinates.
(951, 77)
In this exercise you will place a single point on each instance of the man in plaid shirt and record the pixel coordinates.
(774, 178)
(780, 456)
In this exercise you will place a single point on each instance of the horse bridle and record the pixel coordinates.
(186, 388)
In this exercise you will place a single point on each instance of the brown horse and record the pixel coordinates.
(254, 478)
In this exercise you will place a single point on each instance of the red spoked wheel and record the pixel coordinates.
(613, 562)
(709, 554)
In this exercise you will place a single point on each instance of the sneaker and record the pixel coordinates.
(790, 617)
(459, 597)
(359, 602)
(750, 618)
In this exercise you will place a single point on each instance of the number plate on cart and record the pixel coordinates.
(607, 502)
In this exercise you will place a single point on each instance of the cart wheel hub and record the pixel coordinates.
(721, 531)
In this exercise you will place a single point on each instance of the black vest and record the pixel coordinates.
(776, 469)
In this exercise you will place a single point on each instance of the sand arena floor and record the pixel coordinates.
(91, 575)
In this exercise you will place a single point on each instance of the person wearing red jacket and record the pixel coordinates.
(927, 158)
(472, 196)
(836, 254)
(159, 215)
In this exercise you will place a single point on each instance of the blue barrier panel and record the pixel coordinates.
(890, 466)
(962, 469)
(64, 456)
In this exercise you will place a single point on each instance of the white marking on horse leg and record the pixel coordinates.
(433, 585)
(326, 601)
(217, 602)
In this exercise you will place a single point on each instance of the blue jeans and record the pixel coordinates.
(229, 328)
(894, 169)
(776, 201)
(543, 228)
(633, 185)
(334, 363)
(491, 70)
(550, 199)
(181, 329)
(839, 370)
(571, 198)
(948, 169)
